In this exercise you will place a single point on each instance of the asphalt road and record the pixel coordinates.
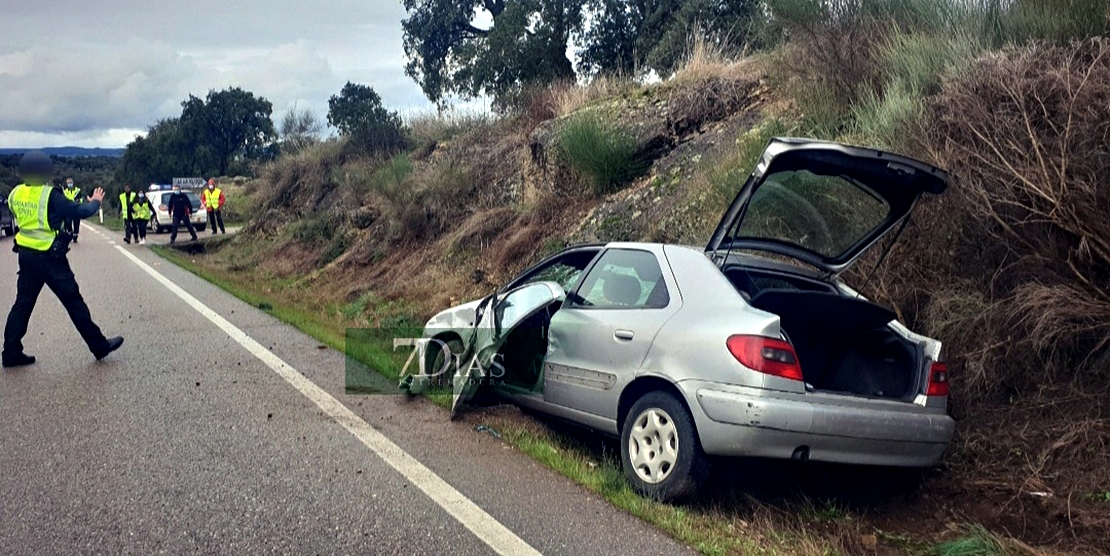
(184, 441)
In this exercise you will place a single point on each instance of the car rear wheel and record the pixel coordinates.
(154, 227)
(661, 453)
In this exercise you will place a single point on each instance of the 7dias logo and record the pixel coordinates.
(436, 370)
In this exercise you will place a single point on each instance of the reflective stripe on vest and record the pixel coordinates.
(28, 204)
(212, 198)
(71, 192)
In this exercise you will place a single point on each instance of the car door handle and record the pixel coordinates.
(622, 334)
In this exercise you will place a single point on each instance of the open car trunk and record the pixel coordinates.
(845, 344)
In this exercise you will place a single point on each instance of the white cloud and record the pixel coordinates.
(89, 87)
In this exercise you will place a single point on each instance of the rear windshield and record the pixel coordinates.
(824, 214)
(194, 199)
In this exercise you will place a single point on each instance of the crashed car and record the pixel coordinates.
(751, 346)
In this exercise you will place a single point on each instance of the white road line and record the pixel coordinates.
(469, 514)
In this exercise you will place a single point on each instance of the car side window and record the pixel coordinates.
(564, 270)
(623, 279)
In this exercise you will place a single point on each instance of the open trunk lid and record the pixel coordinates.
(822, 203)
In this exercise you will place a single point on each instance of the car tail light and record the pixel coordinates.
(938, 380)
(766, 355)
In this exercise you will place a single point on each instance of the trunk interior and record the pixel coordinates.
(843, 343)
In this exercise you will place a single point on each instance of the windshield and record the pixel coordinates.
(827, 215)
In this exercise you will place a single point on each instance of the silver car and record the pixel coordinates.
(749, 347)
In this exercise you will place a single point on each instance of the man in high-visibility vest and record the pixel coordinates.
(73, 193)
(126, 203)
(41, 210)
(213, 200)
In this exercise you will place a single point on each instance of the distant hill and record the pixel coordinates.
(68, 151)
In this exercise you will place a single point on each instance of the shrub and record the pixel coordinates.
(601, 152)
(315, 230)
(1025, 131)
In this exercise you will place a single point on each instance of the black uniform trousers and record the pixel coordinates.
(73, 226)
(37, 269)
(178, 219)
(130, 229)
(215, 217)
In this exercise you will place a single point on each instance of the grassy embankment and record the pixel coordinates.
(1008, 268)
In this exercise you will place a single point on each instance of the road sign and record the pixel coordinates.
(189, 182)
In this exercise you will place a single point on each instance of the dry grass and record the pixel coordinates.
(706, 58)
(569, 97)
(711, 85)
(426, 129)
(1026, 133)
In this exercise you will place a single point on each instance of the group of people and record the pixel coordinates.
(136, 211)
(49, 219)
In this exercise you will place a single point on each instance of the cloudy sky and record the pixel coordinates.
(95, 73)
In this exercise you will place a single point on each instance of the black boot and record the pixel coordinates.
(113, 344)
(18, 360)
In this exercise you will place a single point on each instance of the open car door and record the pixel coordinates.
(499, 316)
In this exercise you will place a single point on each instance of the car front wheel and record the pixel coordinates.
(661, 453)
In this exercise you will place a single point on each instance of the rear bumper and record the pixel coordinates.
(741, 421)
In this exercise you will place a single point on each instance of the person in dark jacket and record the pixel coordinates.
(180, 209)
(41, 212)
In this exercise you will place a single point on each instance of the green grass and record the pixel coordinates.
(977, 542)
(601, 152)
(1103, 496)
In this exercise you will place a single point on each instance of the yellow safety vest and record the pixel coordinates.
(71, 193)
(28, 204)
(140, 210)
(212, 198)
(124, 202)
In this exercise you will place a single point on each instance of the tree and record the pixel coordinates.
(228, 124)
(449, 53)
(627, 36)
(166, 152)
(358, 114)
(299, 129)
